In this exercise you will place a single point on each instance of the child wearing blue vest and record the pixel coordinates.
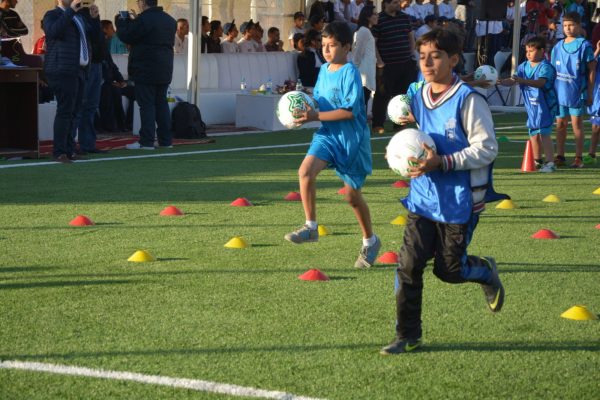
(594, 111)
(535, 78)
(343, 142)
(575, 66)
(448, 189)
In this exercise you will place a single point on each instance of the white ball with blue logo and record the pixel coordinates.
(398, 107)
(486, 73)
(406, 144)
(287, 105)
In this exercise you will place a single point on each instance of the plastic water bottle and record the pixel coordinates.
(299, 86)
(243, 85)
(269, 86)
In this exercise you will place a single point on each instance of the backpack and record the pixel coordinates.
(187, 122)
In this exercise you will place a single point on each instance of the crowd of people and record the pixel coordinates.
(383, 44)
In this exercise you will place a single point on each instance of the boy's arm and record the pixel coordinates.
(591, 80)
(537, 83)
(479, 128)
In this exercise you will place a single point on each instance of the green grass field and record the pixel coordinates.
(68, 296)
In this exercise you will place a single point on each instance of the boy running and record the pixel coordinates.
(448, 190)
(535, 78)
(342, 142)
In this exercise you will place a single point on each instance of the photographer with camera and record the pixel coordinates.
(151, 35)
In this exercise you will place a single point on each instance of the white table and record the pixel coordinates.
(258, 111)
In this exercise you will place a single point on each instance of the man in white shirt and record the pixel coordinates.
(246, 43)
(342, 10)
(298, 27)
(181, 42)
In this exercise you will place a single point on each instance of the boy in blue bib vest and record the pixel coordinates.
(535, 78)
(448, 189)
(343, 142)
(594, 111)
(573, 59)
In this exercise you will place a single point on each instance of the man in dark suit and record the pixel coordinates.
(68, 55)
(151, 36)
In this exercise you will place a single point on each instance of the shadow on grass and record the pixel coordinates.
(25, 269)
(531, 267)
(427, 348)
(34, 285)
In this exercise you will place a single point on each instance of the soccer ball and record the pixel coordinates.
(398, 107)
(288, 103)
(404, 144)
(487, 73)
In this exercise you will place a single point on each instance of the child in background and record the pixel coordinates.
(594, 111)
(535, 78)
(229, 45)
(343, 141)
(273, 41)
(575, 66)
(448, 189)
(298, 27)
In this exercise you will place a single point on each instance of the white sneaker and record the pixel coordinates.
(548, 167)
(137, 146)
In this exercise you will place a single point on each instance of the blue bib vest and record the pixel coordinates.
(541, 109)
(442, 196)
(570, 74)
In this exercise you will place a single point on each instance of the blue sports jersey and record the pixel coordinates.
(540, 103)
(570, 61)
(594, 109)
(442, 196)
(347, 143)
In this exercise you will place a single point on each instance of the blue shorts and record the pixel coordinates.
(540, 131)
(320, 150)
(564, 111)
(595, 120)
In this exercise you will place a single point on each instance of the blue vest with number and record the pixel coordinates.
(540, 106)
(442, 196)
(570, 73)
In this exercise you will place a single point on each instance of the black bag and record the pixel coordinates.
(187, 122)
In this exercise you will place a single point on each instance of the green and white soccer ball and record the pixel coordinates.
(486, 73)
(405, 144)
(288, 103)
(398, 107)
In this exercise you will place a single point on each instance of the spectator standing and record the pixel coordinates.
(112, 115)
(84, 120)
(116, 46)
(363, 50)
(396, 68)
(298, 27)
(151, 36)
(11, 24)
(181, 36)
(213, 44)
(308, 61)
(67, 59)
(342, 10)
(274, 42)
(204, 35)
(229, 45)
(246, 43)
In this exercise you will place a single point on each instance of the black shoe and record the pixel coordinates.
(63, 159)
(75, 157)
(494, 292)
(399, 346)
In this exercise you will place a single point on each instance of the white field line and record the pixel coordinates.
(185, 153)
(191, 384)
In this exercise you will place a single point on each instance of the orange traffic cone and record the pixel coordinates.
(528, 164)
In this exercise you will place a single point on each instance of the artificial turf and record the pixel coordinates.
(202, 311)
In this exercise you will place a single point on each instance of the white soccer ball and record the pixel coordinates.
(398, 107)
(288, 103)
(404, 144)
(487, 73)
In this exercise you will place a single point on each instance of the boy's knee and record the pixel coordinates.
(353, 197)
(448, 269)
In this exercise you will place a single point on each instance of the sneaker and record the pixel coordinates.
(63, 159)
(538, 164)
(303, 235)
(380, 130)
(399, 346)
(548, 167)
(560, 161)
(368, 255)
(138, 146)
(494, 292)
(577, 163)
(589, 159)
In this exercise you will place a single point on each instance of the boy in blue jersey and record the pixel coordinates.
(575, 66)
(343, 142)
(594, 111)
(448, 189)
(535, 78)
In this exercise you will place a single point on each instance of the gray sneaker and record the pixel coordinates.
(303, 235)
(368, 255)
(494, 291)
